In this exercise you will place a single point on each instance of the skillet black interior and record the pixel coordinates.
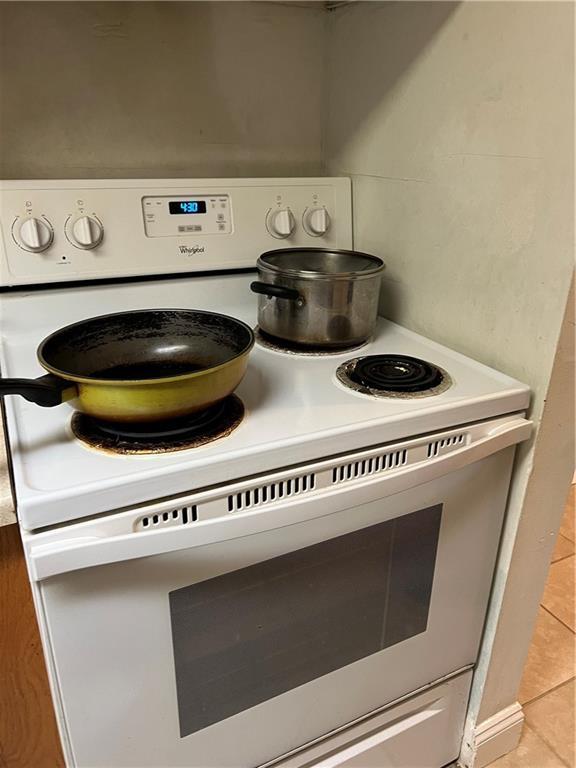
(145, 344)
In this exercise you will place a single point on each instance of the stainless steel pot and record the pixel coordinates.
(318, 297)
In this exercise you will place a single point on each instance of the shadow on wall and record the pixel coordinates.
(385, 40)
(159, 89)
(409, 29)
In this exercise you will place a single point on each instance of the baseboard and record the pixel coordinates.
(492, 738)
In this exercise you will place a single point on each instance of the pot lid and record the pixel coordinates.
(321, 263)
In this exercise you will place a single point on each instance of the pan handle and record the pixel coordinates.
(279, 291)
(46, 391)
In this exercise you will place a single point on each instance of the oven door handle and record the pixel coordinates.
(96, 542)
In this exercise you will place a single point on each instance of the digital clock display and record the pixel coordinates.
(187, 206)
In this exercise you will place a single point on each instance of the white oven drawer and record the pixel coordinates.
(423, 731)
(232, 642)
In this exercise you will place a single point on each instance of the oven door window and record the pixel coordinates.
(246, 636)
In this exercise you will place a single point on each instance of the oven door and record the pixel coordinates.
(233, 640)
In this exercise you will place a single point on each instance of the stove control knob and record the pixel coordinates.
(316, 221)
(35, 235)
(280, 222)
(85, 232)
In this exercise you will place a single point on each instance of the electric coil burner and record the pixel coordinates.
(393, 376)
(170, 435)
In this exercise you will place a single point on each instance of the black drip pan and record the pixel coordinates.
(193, 431)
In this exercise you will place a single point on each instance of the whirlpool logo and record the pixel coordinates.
(190, 250)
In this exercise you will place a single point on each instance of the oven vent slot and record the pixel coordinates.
(371, 466)
(171, 517)
(266, 494)
(445, 445)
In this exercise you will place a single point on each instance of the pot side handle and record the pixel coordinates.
(46, 391)
(279, 291)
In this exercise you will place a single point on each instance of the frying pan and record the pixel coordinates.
(140, 366)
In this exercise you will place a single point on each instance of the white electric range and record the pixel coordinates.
(308, 589)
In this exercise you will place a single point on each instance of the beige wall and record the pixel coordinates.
(122, 89)
(455, 122)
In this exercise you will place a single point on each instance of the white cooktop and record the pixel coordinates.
(296, 410)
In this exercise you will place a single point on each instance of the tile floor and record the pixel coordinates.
(548, 690)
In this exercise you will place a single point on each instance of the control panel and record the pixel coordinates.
(180, 216)
(57, 231)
